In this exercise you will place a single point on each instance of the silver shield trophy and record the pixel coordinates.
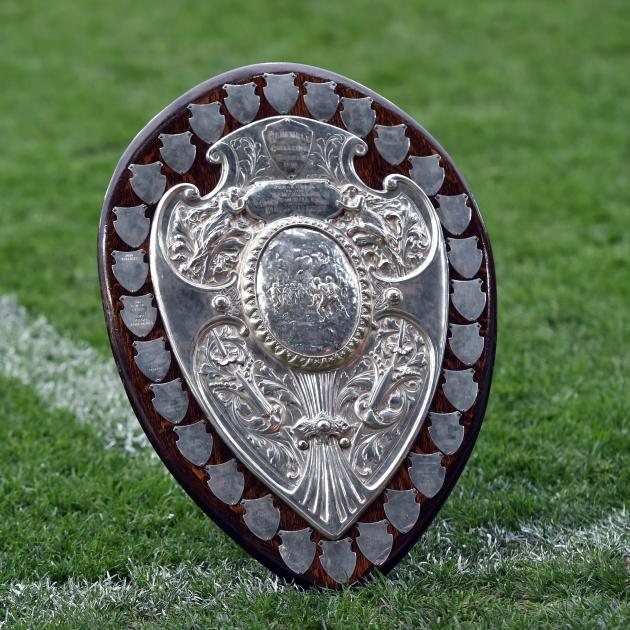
(323, 368)
(307, 331)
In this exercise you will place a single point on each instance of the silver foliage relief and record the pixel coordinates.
(383, 388)
(326, 156)
(205, 243)
(257, 400)
(205, 240)
(325, 433)
(392, 235)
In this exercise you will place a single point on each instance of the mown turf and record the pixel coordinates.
(531, 99)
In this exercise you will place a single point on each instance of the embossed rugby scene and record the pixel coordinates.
(300, 297)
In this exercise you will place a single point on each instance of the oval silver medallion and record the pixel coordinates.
(302, 294)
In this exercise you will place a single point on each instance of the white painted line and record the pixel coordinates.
(161, 591)
(67, 375)
(154, 592)
(490, 547)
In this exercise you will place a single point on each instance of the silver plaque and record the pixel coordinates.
(307, 311)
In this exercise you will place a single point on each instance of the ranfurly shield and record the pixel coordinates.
(306, 338)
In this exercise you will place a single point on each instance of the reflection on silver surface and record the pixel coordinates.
(207, 121)
(147, 181)
(130, 269)
(427, 172)
(152, 358)
(357, 115)
(321, 99)
(281, 92)
(131, 224)
(374, 541)
(446, 432)
(466, 342)
(402, 509)
(464, 255)
(290, 301)
(392, 142)
(194, 442)
(226, 481)
(170, 400)
(460, 388)
(427, 473)
(468, 298)
(262, 517)
(297, 549)
(178, 151)
(338, 559)
(242, 101)
(454, 212)
(138, 313)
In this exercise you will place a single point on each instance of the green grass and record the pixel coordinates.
(531, 100)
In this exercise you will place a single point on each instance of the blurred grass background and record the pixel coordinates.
(531, 99)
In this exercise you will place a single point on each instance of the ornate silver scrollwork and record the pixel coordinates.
(289, 298)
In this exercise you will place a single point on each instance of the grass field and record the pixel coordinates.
(532, 101)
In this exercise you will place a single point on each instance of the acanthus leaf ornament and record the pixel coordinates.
(292, 332)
